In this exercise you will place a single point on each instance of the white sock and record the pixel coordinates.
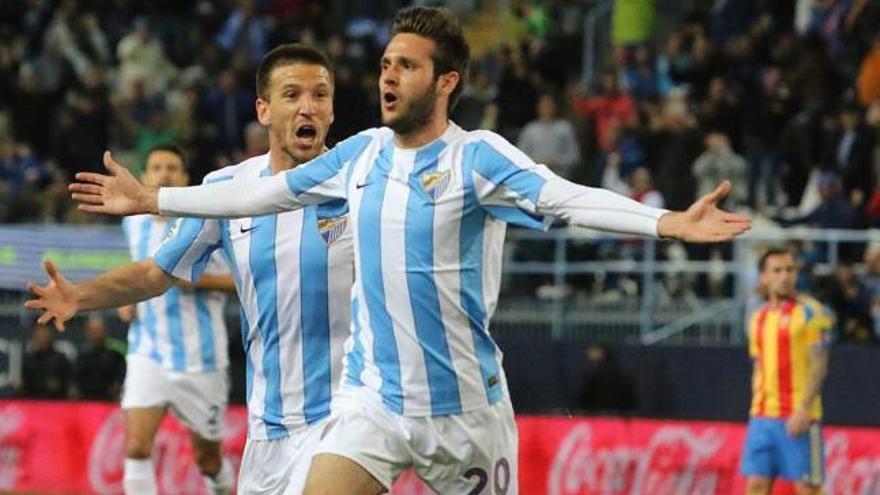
(140, 477)
(220, 483)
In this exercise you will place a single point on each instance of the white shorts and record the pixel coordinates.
(197, 399)
(279, 467)
(473, 452)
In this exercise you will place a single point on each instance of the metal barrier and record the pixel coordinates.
(652, 315)
(549, 289)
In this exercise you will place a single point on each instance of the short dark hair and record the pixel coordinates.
(772, 251)
(440, 26)
(171, 148)
(287, 54)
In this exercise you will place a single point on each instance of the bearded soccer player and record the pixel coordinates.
(788, 343)
(429, 204)
(293, 273)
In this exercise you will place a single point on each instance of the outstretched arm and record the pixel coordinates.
(504, 176)
(60, 299)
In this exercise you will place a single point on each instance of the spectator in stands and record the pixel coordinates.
(608, 109)
(550, 139)
(717, 163)
(850, 155)
(142, 58)
(47, 371)
(228, 109)
(244, 36)
(256, 140)
(638, 184)
(851, 301)
(607, 388)
(100, 366)
(834, 211)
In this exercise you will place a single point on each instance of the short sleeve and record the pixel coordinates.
(187, 251)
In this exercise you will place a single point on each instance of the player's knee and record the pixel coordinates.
(806, 489)
(758, 486)
(138, 448)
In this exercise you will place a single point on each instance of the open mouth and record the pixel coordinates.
(389, 98)
(306, 134)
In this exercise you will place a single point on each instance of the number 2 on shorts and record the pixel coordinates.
(501, 478)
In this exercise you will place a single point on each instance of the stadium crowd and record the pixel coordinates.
(781, 97)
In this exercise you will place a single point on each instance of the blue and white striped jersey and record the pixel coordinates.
(293, 272)
(182, 330)
(428, 227)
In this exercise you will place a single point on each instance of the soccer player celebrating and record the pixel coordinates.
(429, 203)
(293, 272)
(788, 343)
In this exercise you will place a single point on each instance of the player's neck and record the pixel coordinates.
(279, 161)
(432, 130)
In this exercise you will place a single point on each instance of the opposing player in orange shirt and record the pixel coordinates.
(789, 338)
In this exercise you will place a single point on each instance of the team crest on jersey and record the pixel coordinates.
(332, 228)
(436, 183)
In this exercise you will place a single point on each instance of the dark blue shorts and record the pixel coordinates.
(770, 452)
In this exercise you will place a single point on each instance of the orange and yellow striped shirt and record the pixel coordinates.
(781, 340)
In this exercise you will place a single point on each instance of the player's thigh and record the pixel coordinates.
(759, 451)
(807, 489)
(141, 425)
(362, 438)
(199, 400)
(477, 454)
(802, 457)
(332, 474)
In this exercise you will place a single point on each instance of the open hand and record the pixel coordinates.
(118, 193)
(703, 221)
(57, 299)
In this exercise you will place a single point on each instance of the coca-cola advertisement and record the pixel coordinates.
(71, 447)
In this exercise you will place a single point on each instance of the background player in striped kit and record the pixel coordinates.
(177, 341)
(429, 203)
(293, 272)
(789, 338)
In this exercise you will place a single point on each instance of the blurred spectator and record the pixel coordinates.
(608, 110)
(100, 369)
(718, 163)
(142, 58)
(256, 140)
(46, 372)
(607, 387)
(549, 139)
(851, 155)
(32, 108)
(245, 35)
(638, 186)
(678, 144)
(834, 211)
(516, 96)
(228, 109)
(851, 302)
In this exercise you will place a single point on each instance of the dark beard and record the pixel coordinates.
(418, 114)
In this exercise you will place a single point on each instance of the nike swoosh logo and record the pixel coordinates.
(244, 230)
(361, 186)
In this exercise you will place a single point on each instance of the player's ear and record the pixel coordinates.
(263, 113)
(448, 82)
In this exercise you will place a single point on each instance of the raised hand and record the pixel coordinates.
(118, 193)
(57, 299)
(703, 221)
